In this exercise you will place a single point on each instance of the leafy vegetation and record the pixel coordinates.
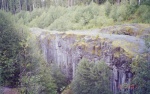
(142, 75)
(91, 78)
(13, 45)
(22, 65)
(84, 17)
(59, 78)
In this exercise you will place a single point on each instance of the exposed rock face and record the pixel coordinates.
(6, 90)
(67, 49)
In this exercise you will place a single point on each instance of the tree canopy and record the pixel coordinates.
(16, 6)
(91, 78)
(11, 47)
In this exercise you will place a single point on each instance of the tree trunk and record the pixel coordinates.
(139, 2)
(2, 5)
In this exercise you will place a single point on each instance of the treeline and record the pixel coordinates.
(16, 6)
(84, 16)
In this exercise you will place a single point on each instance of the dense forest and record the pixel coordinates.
(16, 6)
(80, 14)
(22, 63)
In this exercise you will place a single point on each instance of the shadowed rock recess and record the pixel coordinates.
(116, 47)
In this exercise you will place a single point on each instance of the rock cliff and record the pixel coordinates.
(116, 47)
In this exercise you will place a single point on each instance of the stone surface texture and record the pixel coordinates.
(116, 47)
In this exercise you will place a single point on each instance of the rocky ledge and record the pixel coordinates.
(116, 45)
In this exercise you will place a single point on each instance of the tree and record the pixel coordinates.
(10, 50)
(21, 63)
(91, 78)
(141, 79)
(47, 82)
(145, 2)
(59, 78)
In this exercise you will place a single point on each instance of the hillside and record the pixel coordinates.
(74, 46)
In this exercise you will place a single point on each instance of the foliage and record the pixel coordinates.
(38, 79)
(147, 41)
(91, 78)
(47, 82)
(78, 17)
(142, 76)
(145, 2)
(119, 13)
(84, 16)
(143, 14)
(21, 63)
(12, 44)
(59, 78)
(131, 9)
(46, 18)
(107, 8)
(113, 12)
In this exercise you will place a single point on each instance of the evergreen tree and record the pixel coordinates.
(21, 63)
(10, 50)
(141, 79)
(59, 78)
(91, 78)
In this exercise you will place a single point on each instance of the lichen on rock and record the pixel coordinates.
(117, 50)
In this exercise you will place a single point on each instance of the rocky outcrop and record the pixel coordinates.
(6, 90)
(67, 49)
